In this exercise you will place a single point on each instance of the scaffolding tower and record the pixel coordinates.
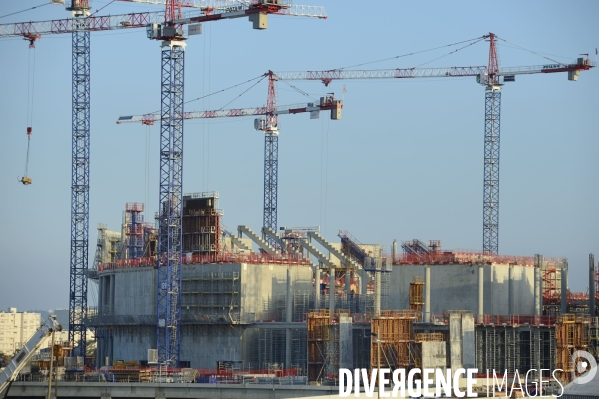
(392, 333)
(571, 334)
(134, 229)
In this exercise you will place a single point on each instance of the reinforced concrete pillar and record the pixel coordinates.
(427, 294)
(481, 293)
(112, 287)
(331, 292)
(99, 296)
(511, 292)
(592, 285)
(348, 282)
(394, 252)
(564, 307)
(288, 319)
(363, 282)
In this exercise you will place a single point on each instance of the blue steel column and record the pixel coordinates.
(271, 170)
(491, 170)
(79, 186)
(171, 179)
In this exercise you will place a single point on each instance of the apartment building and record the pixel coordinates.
(16, 328)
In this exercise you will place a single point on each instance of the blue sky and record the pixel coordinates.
(406, 160)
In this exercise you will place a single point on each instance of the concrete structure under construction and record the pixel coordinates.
(219, 301)
(293, 300)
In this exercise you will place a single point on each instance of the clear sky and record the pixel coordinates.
(406, 160)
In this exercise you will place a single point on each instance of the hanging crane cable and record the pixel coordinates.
(26, 180)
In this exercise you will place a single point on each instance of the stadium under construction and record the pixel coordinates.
(292, 303)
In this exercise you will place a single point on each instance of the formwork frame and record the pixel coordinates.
(318, 334)
(572, 333)
(416, 296)
(392, 335)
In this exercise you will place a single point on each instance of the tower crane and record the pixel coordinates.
(491, 77)
(168, 27)
(269, 125)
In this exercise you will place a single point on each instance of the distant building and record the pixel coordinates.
(16, 328)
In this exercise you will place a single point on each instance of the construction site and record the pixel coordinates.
(293, 304)
(182, 298)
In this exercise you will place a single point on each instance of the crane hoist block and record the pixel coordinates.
(260, 20)
(336, 112)
(26, 180)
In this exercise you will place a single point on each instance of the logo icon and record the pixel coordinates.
(581, 362)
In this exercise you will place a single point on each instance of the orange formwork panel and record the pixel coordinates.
(572, 333)
(416, 296)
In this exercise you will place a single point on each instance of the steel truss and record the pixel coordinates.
(491, 170)
(79, 185)
(171, 182)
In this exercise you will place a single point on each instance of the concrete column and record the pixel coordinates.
(564, 307)
(99, 342)
(99, 296)
(427, 294)
(393, 252)
(288, 319)
(511, 292)
(112, 287)
(363, 282)
(481, 296)
(348, 282)
(331, 291)
(317, 287)
(592, 285)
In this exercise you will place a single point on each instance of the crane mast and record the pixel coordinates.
(269, 125)
(271, 158)
(491, 77)
(79, 174)
(171, 33)
(491, 154)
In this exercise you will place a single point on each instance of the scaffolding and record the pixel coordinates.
(201, 223)
(507, 348)
(269, 350)
(392, 335)
(572, 333)
(318, 335)
(594, 337)
(211, 296)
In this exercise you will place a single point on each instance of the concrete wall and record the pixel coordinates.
(135, 291)
(434, 355)
(202, 345)
(259, 283)
(455, 287)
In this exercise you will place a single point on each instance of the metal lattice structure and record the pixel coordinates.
(489, 76)
(271, 158)
(491, 171)
(491, 154)
(171, 195)
(79, 185)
